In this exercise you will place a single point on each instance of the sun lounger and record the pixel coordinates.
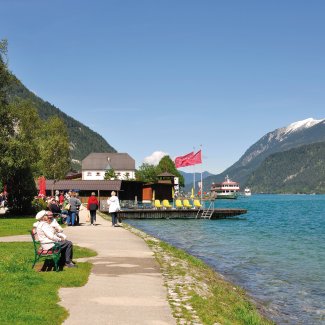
(187, 204)
(166, 204)
(179, 204)
(197, 204)
(158, 204)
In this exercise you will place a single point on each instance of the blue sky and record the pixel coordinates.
(167, 76)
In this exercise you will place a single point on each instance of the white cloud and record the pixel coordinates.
(154, 158)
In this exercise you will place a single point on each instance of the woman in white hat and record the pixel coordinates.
(47, 237)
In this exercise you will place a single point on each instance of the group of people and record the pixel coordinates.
(66, 205)
(49, 230)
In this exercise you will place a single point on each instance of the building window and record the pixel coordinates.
(98, 174)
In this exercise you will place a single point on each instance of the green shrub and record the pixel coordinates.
(39, 204)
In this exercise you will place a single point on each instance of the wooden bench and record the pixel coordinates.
(54, 253)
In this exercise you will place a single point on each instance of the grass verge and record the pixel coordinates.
(28, 296)
(196, 293)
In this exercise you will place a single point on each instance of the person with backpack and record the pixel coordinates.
(92, 206)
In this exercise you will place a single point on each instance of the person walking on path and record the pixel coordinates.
(113, 207)
(92, 206)
(74, 207)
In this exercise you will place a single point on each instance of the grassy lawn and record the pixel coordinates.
(10, 226)
(28, 296)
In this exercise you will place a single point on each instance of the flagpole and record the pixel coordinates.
(194, 175)
(201, 175)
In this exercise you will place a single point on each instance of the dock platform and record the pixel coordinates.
(177, 213)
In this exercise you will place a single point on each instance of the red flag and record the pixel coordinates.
(195, 159)
(182, 161)
(42, 186)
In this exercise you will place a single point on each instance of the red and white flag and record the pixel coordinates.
(182, 161)
(196, 158)
(189, 160)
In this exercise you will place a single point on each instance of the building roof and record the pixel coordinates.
(108, 160)
(93, 185)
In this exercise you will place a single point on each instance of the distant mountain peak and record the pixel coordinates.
(281, 133)
(307, 123)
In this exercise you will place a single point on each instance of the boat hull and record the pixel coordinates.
(226, 196)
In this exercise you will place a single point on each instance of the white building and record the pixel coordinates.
(95, 165)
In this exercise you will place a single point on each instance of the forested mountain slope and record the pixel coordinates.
(82, 139)
(294, 135)
(299, 170)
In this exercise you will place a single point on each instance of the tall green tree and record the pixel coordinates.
(6, 119)
(21, 156)
(146, 173)
(54, 149)
(28, 147)
(167, 165)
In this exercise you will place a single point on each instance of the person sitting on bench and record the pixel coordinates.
(58, 230)
(47, 237)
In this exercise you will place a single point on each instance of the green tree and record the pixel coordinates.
(167, 165)
(146, 173)
(110, 174)
(21, 155)
(54, 149)
(6, 119)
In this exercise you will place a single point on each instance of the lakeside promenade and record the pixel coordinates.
(125, 285)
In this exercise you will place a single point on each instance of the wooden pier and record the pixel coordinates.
(178, 214)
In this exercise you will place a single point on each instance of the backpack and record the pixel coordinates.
(93, 206)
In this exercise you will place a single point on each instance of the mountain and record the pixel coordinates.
(294, 135)
(188, 177)
(298, 170)
(83, 140)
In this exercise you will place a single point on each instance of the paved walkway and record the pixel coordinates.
(125, 285)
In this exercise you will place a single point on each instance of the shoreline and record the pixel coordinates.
(187, 277)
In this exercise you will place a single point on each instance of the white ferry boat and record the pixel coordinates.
(247, 192)
(225, 190)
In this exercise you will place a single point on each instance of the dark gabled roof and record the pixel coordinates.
(108, 160)
(103, 185)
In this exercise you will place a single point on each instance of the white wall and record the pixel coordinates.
(88, 175)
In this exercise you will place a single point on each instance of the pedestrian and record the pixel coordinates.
(54, 206)
(74, 207)
(61, 199)
(92, 206)
(113, 207)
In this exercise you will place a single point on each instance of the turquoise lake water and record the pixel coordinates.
(276, 251)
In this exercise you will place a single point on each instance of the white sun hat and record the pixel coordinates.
(40, 214)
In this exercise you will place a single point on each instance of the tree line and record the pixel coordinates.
(29, 147)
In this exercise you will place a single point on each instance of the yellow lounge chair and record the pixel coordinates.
(166, 204)
(187, 204)
(197, 204)
(158, 204)
(179, 204)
